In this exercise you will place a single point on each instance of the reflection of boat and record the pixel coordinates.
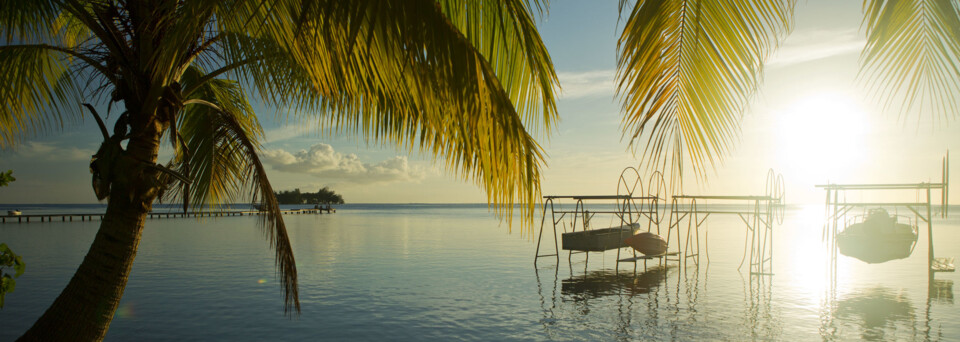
(878, 310)
(941, 290)
(647, 243)
(598, 240)
(877, 238)
(606, 282)
(14, 212)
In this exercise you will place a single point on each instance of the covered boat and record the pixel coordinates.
(647, 243)
(598, 240)
(877, 238)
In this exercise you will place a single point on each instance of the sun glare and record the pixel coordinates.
(822, 136)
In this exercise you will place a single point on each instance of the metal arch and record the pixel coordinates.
(945, 201)
(659, 208)
(770, 183)
(780, 195)
(625, 201)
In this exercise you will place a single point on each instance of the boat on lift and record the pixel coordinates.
(598, 240)
(14, 212)
(877, 237)
(647, 243)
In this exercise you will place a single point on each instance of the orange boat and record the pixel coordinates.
(647, 243)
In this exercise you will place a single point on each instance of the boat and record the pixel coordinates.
(647, 243)
(598, 240)
(14, 212)
(877, 238)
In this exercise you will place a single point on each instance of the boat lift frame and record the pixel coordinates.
(630, 209)
(837, 209)
(759, 217)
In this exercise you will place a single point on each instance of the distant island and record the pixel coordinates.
(322, 196)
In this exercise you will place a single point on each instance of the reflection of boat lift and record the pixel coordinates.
(629, 210)
(757, 212)
(837, 210)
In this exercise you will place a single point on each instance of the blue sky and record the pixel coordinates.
(811, 121)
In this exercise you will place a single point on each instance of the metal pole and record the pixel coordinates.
(929, 235)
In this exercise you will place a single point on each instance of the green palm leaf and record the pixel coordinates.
(219, 154)
(912, 53)
(37, 93)
(402, 72)
(686, 72)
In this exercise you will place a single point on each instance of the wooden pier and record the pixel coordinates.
(152, 215)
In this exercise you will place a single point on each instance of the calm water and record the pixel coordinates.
(442, 272)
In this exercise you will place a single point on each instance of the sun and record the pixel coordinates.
(822, 136)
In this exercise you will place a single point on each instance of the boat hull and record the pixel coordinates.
(647, 243)
(598, 240)
(876, 245)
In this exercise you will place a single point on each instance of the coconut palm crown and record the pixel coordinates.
(466, 82)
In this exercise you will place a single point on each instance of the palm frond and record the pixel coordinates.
(37, 92)
(401, 72)
(220, 143)
(911, 56)
(505, 34)
(686, 71)
(28, 20)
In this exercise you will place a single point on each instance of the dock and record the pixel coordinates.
(152, 215)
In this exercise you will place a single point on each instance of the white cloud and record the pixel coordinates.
(48, 151)
(285, 132)
(598, 83)
(324, 162)
(812, 45)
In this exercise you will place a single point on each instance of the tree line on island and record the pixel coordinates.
(322, 196)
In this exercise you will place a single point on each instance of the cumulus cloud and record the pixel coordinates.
(322, 160)
(598, 83)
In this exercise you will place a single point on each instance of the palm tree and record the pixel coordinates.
(463, 81)
(687, 69)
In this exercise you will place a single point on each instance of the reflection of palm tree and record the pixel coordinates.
(687, 69)
(877, 309)
(458, 81)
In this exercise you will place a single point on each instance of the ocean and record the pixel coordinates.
(437, 272)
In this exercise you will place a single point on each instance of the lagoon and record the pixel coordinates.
(455, 272)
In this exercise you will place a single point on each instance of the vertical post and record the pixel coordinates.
(833, 237)
(543, 217)
(929, 234)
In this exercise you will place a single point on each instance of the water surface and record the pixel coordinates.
(441, 272)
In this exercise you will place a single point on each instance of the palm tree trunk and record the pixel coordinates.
(85, 308)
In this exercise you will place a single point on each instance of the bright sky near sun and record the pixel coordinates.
(812, 122)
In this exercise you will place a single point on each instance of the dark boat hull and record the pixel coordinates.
(598, 240)
(647, 243)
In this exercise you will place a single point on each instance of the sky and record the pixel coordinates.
(811, 121)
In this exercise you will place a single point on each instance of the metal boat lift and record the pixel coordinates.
(838, 206)
(630, 209)
(758, 212)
